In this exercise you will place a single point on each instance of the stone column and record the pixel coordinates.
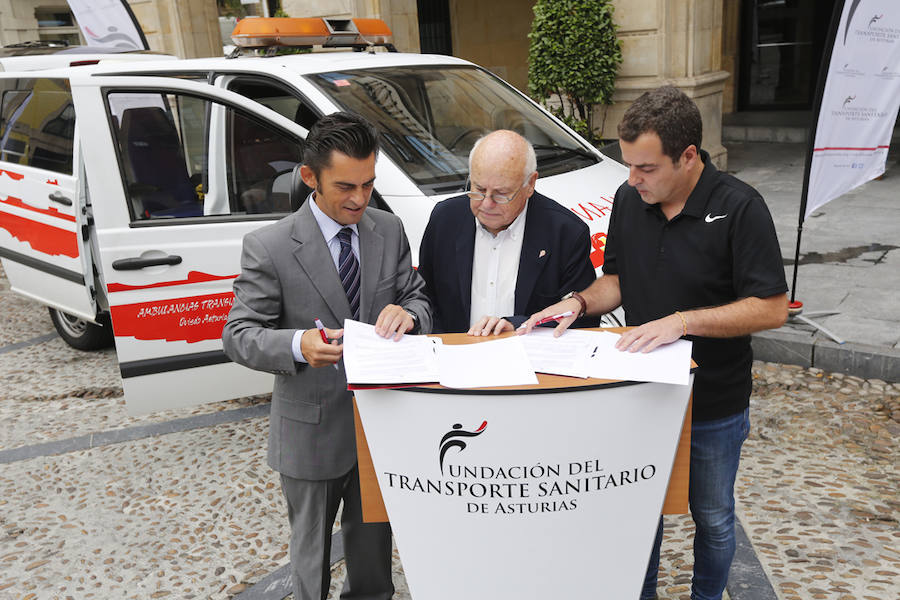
(185, 29)
(401, 16)
(676, 42)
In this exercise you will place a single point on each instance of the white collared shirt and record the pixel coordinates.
(495, 267)
(329, 228)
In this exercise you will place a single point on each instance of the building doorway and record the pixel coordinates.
(434, 27)
(782, 47)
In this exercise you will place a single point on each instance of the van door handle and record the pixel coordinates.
(138, 262)
(59, 197)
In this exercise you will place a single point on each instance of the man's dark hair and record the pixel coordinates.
(670, 114)
(345, 132)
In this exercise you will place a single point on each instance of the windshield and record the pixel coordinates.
(430, 117)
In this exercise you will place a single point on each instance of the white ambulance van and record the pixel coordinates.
(125, 191)
(38, 56)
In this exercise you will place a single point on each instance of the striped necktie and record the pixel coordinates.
(348, 270)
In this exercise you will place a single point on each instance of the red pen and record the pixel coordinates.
(568, 313)
(321, 329)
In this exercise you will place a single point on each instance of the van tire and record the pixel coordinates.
(81, 334)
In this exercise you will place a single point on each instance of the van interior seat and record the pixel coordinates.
(159, 184)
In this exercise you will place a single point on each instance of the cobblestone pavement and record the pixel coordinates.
(198, 514)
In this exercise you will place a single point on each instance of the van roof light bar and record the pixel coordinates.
(266, 32)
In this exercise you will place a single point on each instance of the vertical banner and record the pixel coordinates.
(860, 101)
(108, 23)
(524, 496)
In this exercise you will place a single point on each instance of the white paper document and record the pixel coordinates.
(670, 363)
(488, 364)
(372, 359)
(565, 355)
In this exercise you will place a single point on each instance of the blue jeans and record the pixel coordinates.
(715, 454)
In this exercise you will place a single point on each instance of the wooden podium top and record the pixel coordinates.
(546, 383)
(373, 505)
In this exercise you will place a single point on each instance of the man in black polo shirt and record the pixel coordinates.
(691, 252)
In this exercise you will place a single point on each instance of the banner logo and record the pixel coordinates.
(451, 440)
(874, 20)
(114, 38)
(848, 100)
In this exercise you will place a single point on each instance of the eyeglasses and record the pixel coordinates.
(497, 198)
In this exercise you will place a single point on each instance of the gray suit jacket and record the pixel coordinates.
(287, 280)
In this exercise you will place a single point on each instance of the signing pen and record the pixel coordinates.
(568, 313)
(321, 329)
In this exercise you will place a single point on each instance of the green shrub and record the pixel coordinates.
(573, 56)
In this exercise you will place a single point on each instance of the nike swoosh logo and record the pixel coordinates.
(710, 218)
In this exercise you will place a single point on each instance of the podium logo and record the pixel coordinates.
(453, 439)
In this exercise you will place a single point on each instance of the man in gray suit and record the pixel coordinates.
(333, 259)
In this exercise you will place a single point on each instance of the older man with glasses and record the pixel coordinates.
(496, 254)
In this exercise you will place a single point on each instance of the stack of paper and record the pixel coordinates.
(488, 364)
(593, 354)
(370, 359)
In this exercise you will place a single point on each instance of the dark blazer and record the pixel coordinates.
(448, 248)
(287, 280)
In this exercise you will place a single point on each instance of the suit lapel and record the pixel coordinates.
(465, 253)
(371, 251)
(312, 253)
(536, 249)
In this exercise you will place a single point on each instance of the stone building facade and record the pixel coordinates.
(185, 29)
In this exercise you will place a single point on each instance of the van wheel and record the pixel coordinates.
(81, 334)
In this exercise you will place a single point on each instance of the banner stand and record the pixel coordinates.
(854, 112)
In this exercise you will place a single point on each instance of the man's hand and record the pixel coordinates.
(570, 304)
(488, 325)
(651, 335)
(316, 352)
(393, 321)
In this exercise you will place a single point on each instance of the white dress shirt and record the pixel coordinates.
(329, 228)
(495, 267)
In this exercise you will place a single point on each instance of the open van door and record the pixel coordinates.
(41, 243)
(178, 173)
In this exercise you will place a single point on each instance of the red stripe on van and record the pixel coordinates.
(53, 212)
(40, 236)
(11, 175)
(193, 319)
(193, 277)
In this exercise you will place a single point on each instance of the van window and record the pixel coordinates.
(37, 124)
(430, 117)
(184, 156)
(276, 97)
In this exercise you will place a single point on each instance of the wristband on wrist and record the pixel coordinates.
(683, 323)
(580, 298)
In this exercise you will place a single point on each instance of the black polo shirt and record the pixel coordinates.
(720, 248)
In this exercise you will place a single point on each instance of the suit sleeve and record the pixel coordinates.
(410, 285)
(252, 336)
(426, 271)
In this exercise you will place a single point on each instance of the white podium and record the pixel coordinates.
(532, 492)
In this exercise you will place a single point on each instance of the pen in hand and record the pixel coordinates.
(321, 329)
(558, 317)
